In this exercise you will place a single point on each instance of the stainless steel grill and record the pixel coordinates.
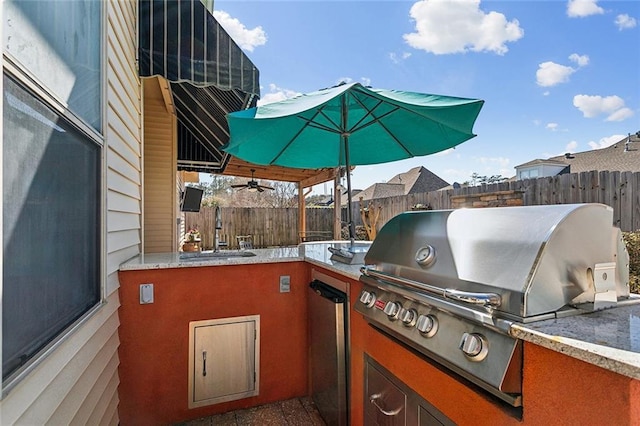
(451, 283)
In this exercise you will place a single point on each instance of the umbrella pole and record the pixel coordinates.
(352, 233)
(345, 139)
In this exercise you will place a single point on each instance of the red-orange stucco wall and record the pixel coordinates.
(564, 391)
(154, 337)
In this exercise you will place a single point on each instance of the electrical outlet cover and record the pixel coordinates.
(146, 294)
(285, 284)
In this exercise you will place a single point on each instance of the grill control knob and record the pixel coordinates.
(408, 317)
(427, 325)
(425, 256)
(368, 298)
(392, 309)
(474, 346)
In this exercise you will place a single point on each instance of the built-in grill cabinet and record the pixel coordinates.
(450, 283)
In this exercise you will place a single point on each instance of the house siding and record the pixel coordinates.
(159, 177)
(77, 383)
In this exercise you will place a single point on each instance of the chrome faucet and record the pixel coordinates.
(218, 227)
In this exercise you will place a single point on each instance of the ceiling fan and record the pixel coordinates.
(252, 185)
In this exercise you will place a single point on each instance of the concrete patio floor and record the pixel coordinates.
(292, 412)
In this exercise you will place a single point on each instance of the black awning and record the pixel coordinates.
(210, 76)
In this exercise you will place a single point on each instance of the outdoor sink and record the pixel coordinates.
(224, 254)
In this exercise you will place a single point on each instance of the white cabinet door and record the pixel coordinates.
(223, 360)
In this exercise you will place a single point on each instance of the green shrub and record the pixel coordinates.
(632, 240)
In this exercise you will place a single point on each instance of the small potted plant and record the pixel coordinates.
(191, 240)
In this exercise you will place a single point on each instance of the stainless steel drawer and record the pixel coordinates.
(385, 404)
(390, 402)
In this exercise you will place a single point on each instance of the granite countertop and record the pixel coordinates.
(315, 253)
(174, 260)
(319, 254)
(609, 339)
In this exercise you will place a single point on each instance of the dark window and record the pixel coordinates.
(51, 225)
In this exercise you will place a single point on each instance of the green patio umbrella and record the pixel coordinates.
(349, 125)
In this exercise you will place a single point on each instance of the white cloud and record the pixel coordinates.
(582, 8)
(443, 27)
(487, 166)
(396, 59)
(625, 22)
(612, 106)
(555, 127)
(456, 175)
(581, 60)
(365, 81)
(245, 38)
(571, 146)
(443, 153)
(549, 74)
(605, 142)
(277, 94)
(620, 115)
(491, 161)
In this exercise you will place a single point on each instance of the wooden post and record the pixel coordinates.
(302, 213)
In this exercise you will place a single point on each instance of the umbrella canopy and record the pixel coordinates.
(350, 125)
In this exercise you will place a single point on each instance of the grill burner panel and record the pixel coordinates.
(442, 336)
(451, 283)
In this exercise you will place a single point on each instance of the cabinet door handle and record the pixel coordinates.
(374, 400)
(204, 363)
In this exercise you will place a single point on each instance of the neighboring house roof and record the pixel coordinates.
(344, 199)
(415, 180)
(539, 161)
(622, 156)
(326, 201)
(419, 179)
(381, 190)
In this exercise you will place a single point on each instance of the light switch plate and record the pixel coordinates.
(146, 294)
(285, 283)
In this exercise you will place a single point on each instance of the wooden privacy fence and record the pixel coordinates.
(279, 226)
(267, 226)
(620, 190)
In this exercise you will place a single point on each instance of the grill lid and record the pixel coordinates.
(518, 261)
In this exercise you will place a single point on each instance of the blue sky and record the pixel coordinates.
(556, 76)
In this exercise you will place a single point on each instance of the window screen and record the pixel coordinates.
(51, 225)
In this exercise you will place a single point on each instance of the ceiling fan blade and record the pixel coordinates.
(266, 187)
(239, 186)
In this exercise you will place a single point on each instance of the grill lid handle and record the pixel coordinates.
(491, 300)
(485, 299)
